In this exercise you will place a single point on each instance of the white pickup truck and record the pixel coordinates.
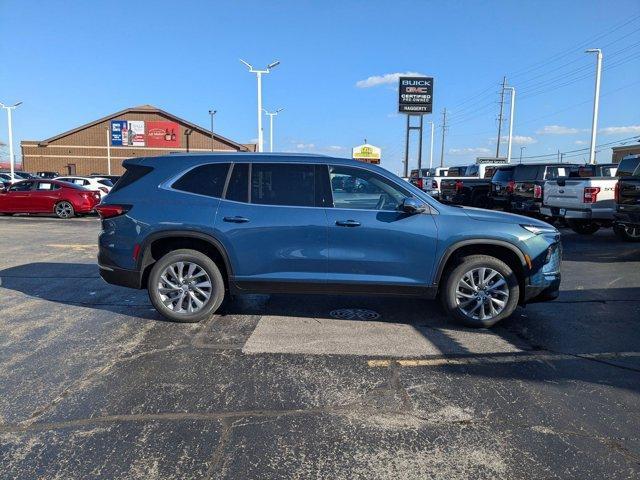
(585, 199)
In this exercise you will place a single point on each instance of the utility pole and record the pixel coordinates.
(9, 108)
(212, 114)
(511, 114)
(259, 77)
(271, 115)
(444, 129)
(596, 104)
(431, 147)
(504, 84)
(420, 144)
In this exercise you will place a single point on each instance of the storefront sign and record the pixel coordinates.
(415, 95)
(163, 134)
(367, 153)
(127, 133)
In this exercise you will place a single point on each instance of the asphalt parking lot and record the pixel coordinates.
(93, 383)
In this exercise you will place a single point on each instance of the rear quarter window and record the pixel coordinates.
(629, 167)
(204, 180)
(131, 175)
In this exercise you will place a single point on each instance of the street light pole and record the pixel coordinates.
(596, 104)
(259, 78)
(431, 147)
(271, 115)
(8, 108)
(212, 114)
(521, 149)
(108, 150)
(511, 113)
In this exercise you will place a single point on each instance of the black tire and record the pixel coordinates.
(64, 210)
(204, 262)
(583, 227)
(448, 291)
(628, 234)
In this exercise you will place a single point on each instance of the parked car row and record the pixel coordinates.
(585, 197)
(64, 196)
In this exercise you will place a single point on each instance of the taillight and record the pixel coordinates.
(591, 194)
(537, 191)
(511, 186)
(420, 183)
(616, 193)
(459, 185)
(110, 211)
(434, 185)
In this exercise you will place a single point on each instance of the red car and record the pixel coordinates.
(48, 196)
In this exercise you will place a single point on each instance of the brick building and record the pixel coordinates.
(135, 132)
(618, 153)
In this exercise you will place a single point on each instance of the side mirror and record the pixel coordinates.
(411, 205)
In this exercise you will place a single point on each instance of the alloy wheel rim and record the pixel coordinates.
(482, 293)
(63, 209)
(184, 287)
(633, 232)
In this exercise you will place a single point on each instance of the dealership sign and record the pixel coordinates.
(367, 153)
(138, 133)
(415, 95)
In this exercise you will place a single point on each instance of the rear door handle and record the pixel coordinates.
(347, 223)
(236, 219)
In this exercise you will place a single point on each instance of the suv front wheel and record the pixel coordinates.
(186, 286)
(480, 291)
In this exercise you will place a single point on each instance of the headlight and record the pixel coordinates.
(536, 230)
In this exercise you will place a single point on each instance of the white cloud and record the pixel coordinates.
(557, 130)
(469, 151)
(386, 79)
(517, 140)
(632, 129)
(580, 142)
(305, 146)
(335, 148)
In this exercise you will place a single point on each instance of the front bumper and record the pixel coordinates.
(544, 284)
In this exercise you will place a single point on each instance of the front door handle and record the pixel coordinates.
(236, 219)
(347, 223)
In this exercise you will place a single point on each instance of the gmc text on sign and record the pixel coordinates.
(415, 95)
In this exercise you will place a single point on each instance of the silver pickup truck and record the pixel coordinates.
(585, 199)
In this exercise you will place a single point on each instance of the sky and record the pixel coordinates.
(72, 62)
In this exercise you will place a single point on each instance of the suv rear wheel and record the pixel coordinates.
(630, 234)
(186, 286)
(480, 291)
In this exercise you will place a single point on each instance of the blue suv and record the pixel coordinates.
(194, 228)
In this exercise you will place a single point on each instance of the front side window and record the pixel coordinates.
(360, 189)
(21, 187)
(283, 184)
(204, 180)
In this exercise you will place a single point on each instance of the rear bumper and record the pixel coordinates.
(120, 276)
(115, 275)
(526, 206)
(577, 213)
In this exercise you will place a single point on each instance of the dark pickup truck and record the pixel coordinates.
(472, 188)
(627, 194)
(527, 190)
(502, 184)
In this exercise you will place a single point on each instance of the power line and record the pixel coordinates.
(621, 141)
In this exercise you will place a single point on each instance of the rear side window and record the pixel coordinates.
(556, 172)
(283, 184)
(629, 166)
(132, 174)
(204, 180)
(106, 182)
(238, 188)
(488, 172)
(47, 186)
